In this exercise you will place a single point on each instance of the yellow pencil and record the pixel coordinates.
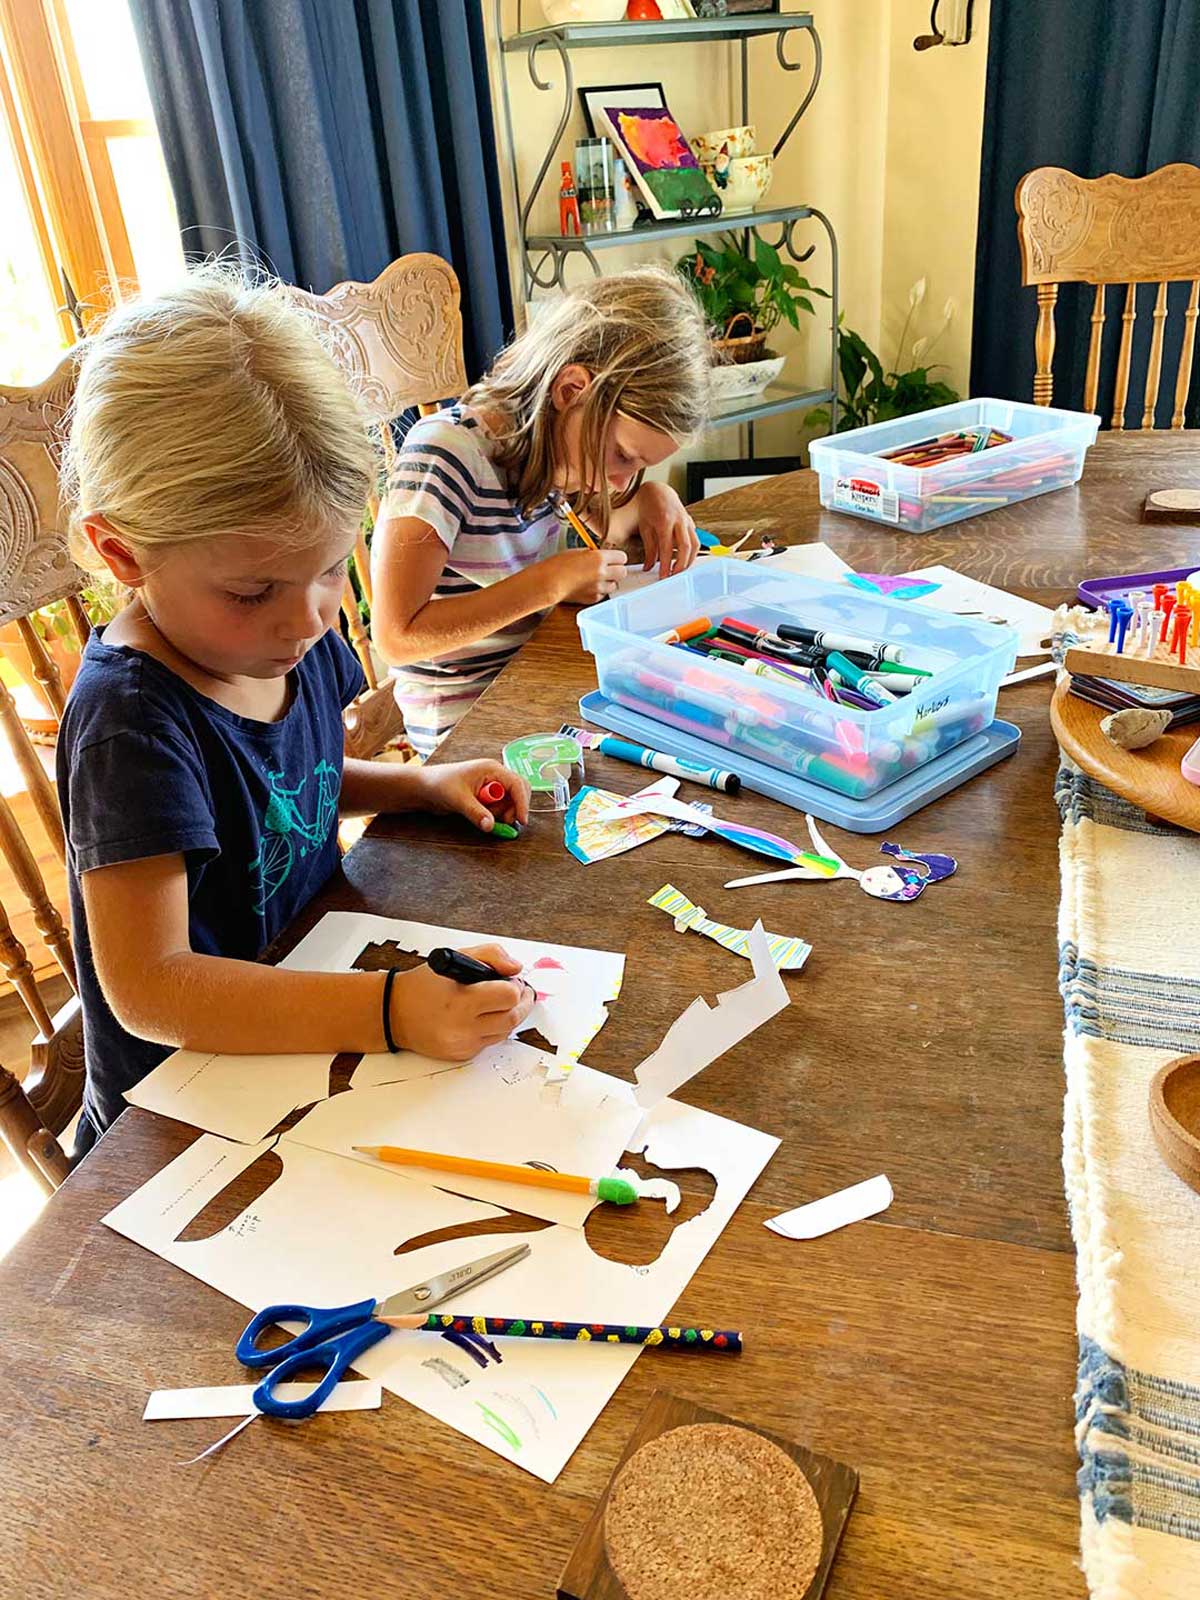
(565, 508)
(614, 1189)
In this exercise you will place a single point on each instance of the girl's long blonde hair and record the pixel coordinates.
(214, 408)
(642, 337)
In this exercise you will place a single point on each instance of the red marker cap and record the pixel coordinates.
(491, 793)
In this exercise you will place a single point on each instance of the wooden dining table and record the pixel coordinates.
(932, 1348)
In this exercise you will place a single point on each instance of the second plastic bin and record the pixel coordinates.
(1047, 452)
(793, 727)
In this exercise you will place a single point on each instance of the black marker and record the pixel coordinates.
(462, 968)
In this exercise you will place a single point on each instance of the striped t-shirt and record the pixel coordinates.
(446, 476)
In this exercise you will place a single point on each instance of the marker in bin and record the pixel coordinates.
(822, 639)
(684, 631)
(845, 672)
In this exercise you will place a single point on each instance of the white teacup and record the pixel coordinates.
(746, 180)
(736, 142)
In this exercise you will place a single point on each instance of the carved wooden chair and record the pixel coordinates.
(1107, 231)
(35, 569)
(400, 341)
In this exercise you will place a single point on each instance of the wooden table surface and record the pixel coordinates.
(932, 1348)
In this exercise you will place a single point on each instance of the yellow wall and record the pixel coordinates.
(931, 186)
(889, 150)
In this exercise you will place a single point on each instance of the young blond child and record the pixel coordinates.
(219, 466)
(470, 554)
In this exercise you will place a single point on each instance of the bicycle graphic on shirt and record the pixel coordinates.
(286, 832)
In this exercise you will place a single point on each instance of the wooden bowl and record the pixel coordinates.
(1175, 1117)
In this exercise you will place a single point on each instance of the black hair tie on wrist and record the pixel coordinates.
(392, 974)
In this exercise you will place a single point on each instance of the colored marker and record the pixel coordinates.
(840, 641)
(677, 766)
(461, 967)
(685, 631)
(844, 671)
(491, 793)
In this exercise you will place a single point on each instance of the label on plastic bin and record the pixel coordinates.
(867, 498)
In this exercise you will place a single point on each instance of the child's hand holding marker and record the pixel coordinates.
(453, 1017)
(456, 789)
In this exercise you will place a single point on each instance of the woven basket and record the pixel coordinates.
(736, 349)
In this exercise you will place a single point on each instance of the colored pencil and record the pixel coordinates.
(614, 1189)
(725, 1340)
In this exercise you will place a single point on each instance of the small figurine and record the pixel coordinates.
(720, 168)
(568, 203)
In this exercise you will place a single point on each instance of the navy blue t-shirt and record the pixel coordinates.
(148, 766)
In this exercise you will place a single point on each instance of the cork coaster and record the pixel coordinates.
(710, 1511)
(702, 1506)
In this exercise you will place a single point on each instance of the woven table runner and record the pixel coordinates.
(1129, 945)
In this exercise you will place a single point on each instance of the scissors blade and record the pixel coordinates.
(424, 1296)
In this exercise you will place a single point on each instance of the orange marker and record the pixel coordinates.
(685, 631)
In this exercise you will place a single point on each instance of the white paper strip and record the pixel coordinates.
(834, 1210)
(234, 1400)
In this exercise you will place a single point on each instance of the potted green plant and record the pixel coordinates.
(745, 297)
(871, 394)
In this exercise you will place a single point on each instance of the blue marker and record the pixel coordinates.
(639, 756)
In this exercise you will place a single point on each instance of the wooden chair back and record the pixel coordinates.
(400, 340)
(1108, 231)
(36, 570)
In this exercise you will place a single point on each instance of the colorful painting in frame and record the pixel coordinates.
(661, 161)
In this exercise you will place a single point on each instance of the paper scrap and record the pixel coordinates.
(236, 1399)
(969, 598)
(789, 955)
(495, 1108)
(574, 984)
(695, 1039)
(238, 1097)
(809, 560)
(1043, 669)
(834, 1211)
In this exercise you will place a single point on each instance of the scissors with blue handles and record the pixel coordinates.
(334, 1338)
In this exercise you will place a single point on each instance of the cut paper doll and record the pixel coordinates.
(904, 880)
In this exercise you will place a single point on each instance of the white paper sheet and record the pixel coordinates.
(703, 1032)
(832, 1211)
(236, 1399)
(325, 1232)
(239, 1097)
(961, 594)
(809, 560)
(497, 1107)
(575, 984)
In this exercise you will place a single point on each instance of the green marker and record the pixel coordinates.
(505, 830)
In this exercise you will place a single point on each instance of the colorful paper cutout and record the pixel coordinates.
(902, 588)
(905, 880)
(789, 955)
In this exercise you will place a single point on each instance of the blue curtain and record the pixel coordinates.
(1095, 86)
(323, 138)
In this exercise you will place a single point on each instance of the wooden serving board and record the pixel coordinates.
(588, 1574)
(1158, 671)
(1149, 778)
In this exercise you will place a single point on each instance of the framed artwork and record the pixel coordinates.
(595, 97)
(660, 161)
(676, 10)
(705, 478)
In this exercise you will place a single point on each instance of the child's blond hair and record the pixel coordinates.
(214, 408)
(642, 337)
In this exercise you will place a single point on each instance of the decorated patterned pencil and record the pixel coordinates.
(725, 1340)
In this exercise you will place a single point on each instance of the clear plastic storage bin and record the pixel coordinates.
(793, 727)
(1047, 451)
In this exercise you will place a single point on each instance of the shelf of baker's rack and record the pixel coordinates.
(582, 35)
(673, 228)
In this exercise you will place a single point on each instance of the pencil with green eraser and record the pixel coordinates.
(617, 1191)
